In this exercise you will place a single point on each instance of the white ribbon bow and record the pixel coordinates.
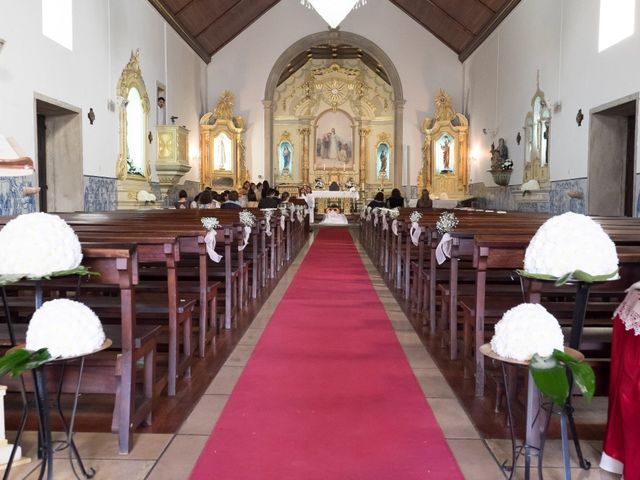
(247, 234)
(210, 241)
(267, 222)
(385, 225)
(368, 216)
(299, 215)
(394, 227)
(443, 250)
(363, 213)
(375, 219)
(415, 233)
(282, 222)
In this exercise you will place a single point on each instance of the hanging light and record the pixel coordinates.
(333, 11)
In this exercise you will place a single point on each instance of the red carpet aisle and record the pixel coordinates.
(328, 393)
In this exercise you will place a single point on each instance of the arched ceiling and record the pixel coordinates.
(208, 25)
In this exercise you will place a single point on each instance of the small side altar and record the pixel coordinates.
(445, 166)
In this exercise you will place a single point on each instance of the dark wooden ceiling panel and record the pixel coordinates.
(199, 14)
(208, 25)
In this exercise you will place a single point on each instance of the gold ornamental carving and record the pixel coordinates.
(222, 148)
(445, 166)
(335, 83)
(130, 78)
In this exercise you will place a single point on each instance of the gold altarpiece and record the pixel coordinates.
(132, 178)
(222, 150)
(445, 167)
(328, 119)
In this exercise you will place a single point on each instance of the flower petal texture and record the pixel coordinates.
(66, 328)
(570, 242)
(38, 244)
(527, 329)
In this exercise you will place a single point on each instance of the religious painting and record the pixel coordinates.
(383, 155)
(334, 141)
(285, 153)
(222, 152)
(445, 154)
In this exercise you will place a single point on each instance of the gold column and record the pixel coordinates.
(304, 132)
(364, 133)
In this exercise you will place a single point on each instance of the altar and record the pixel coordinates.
(321, 198)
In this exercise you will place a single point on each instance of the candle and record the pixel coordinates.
(324, 166)
(344, 167)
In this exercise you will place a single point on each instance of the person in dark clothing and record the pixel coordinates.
(183, 200)
(395, 200)
(265, 189)
(251, 193)
(425, 201)
(270, 201)
(232, 201)
(378, 201)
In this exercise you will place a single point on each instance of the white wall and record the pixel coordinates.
(104, 34)
(560, 38)
(424, 64)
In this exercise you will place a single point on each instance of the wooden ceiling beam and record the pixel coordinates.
(177, 26)
(183, 7)
(488, 29)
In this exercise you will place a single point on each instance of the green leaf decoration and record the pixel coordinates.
(19, 360)
(578, 275)
(80, 271)
(551, 380)
(584, 378)
(562, 280)
(550, 376)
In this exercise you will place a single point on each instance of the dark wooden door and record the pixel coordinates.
(42, 162)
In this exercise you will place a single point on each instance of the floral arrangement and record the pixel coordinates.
(133, 169)
(504, 165)
(415, 216)
(144, 196)
(393, 213)
(268, 213)
(65, 328)
(284, 211)
(247, 218)
(210, 223)
(446, 223)
(38, 245)
(526, 330)
(571, 247)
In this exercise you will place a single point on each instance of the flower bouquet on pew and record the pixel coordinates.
(447, 222)
(569, 248)
(39, 246)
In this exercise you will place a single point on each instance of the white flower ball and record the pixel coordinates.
(38, 244)
(570, 242)
(66, 328)
(525, 330)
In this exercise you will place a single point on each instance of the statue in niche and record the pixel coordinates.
(500, 156)
(445, 154)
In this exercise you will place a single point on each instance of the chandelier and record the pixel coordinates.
(333, 11)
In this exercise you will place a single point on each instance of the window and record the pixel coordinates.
(57, 21)
(136, 130)
(617, 22)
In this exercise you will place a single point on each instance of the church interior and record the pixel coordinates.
(319, 239)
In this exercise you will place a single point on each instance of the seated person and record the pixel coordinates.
(270, 201)
(284, 198)
(232, 201)
(378, 201)
(183, 200)
(395, 200)
(424, 201)
(205, 200)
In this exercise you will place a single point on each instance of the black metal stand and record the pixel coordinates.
(45, 442)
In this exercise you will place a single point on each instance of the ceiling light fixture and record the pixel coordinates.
(333, 11)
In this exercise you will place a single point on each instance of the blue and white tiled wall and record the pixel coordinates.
(501, 198)
(12, 201)
(99, 194)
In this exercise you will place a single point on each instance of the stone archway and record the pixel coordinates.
(335, 37)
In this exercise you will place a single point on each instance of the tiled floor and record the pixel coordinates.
(171, 457)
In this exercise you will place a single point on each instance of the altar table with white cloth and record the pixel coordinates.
(345, 198)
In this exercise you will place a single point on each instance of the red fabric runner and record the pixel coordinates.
(328, 392)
